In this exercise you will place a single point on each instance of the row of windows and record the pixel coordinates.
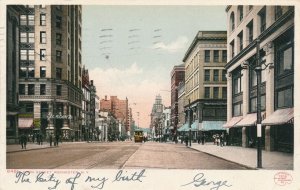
(28, 55)
(28, 20)
(215, 93)
(29, 72)
(249, 28)
(31, 89)
(207, 74)
(262, 14)
(216, 56)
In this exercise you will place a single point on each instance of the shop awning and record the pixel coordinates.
(25, 123)
(184, 127)
(232, 121)
(279, 117)
(249, 120)
(212, 125)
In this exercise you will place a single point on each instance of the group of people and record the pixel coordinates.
(38, 137)
(219, 139)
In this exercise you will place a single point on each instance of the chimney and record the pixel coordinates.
(105, 97)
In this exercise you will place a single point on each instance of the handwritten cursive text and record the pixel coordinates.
(199, 180)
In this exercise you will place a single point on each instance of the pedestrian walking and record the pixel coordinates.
(218, 139)
(23, 140)
(222, 140)
(38, 139)
(56, 140)
(50, 139)
(33, 137)
(186, 140)
(203, 139)
(41, 138)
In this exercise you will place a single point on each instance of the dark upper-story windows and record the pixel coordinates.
(250, 31)
(262, 16)
(240, 12)
(278, 12)
(232, 21)
(207, 56)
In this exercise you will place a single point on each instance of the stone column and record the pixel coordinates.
(244, 137)
(37, 115)
(269, 74)
(37, 110)
(50, 127)
(65, 114)
(229, 98)
(245, 106)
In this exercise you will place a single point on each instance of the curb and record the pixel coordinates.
(249, 167)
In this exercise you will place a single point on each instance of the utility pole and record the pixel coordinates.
(258, 74)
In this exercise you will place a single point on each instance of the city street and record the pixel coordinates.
(116, 155)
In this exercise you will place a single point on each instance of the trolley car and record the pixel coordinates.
(138, 135)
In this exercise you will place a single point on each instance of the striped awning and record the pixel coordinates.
(25, 123)
(212, 125)
(279, 117)
(232, 121)
(249, 120)
(184, 127)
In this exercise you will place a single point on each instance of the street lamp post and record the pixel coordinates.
(258, 70)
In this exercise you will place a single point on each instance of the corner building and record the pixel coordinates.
(50, 70)
(269, 32)
(205, 83)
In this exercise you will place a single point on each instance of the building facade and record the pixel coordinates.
(205, 82)
(181, 103)
(261, 35)
(50, 70)
(157, 117)
(12, 72)
(177, 76)
(119, 108)
(87, 129)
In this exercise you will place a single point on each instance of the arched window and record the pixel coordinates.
(232, 21)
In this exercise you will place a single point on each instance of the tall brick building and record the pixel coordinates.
(119, 108)
(177, 76)
(50, 69)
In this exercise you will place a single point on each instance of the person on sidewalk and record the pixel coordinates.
(23, 140)
(222, 139)
(56, 140)
(50, 139)
(41, 138)
(218, 139)
(203, 139)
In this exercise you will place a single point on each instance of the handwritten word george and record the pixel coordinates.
(199, 180)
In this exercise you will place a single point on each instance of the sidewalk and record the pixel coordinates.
(248, 156)
(34, 146)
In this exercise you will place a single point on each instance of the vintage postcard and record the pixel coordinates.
(149, 95)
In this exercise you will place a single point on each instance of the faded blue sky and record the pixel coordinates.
(131, 50)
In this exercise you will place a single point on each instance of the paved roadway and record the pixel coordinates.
(116, 155)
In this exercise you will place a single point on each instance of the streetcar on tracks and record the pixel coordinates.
(138, 135)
